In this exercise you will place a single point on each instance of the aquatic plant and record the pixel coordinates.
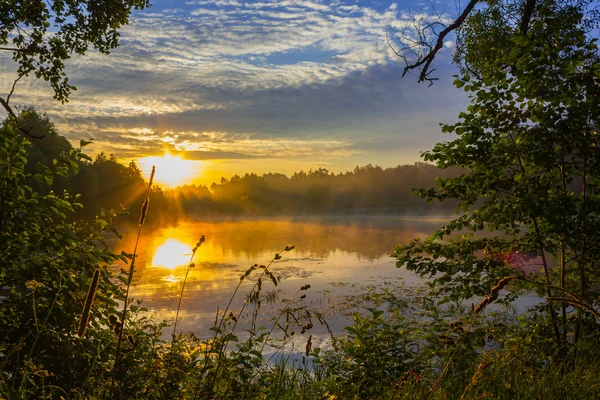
(89, 300)
(143, 212)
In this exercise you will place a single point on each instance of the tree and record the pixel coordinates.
(46, 263)
(480, 24)
(43, 35)
(50, 146)
(528, 141)
(134, 171)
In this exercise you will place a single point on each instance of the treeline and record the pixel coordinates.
(101, 183)
(365, 190)
(105, 183)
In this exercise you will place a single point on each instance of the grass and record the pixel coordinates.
(398, 349)
(143, 213)
(401, 344)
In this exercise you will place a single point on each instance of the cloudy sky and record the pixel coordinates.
(256, 86)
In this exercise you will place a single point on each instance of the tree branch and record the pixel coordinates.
(424, 62)
(12, 90)
(428, 59)
(13, 116)
(527, 12)
(8, 109)
(16, 49)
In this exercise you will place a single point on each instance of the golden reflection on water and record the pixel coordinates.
(331, 250)
(172, 253)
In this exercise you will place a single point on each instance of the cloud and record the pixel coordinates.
(232, 78)
(328, 120)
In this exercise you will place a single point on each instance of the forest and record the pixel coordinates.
(105, 183)
(365, 190)
(520, 173)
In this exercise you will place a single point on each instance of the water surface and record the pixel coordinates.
(337, 256)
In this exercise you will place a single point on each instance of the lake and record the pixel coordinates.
(338, 256)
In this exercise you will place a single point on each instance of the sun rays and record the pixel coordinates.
(171, 171)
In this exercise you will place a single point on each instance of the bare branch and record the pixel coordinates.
(418, 50)
(12, 90)
(426, 61)
(8, 109)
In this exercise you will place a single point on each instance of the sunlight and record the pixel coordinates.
(171, 254)
(171, 171)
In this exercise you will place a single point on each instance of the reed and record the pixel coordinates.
(266, 272)
(143, 213)
(303, 288)
(89, 301)
(218, 328)
(190, 266)
(476, 377)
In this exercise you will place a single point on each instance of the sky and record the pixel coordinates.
(255, 86)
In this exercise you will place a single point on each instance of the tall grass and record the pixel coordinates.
(189, 267)
(404, 346)
(143, 213)
(224, 334)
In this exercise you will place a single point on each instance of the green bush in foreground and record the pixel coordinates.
(531, 196)
(528, 144)
(403, 345)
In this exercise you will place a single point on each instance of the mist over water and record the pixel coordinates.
(335, 255)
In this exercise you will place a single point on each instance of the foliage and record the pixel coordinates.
(394, 350)
(490, 29)
(102, 183)
(479, 26)
(529, 143)
(377, 350)
(51, 145)
(122, 188)
(47, 263)
(365, 190)
(527, 195)
(43, 35)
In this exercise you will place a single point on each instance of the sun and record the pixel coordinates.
(171, 171)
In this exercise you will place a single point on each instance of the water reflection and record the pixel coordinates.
(328, 251)
(172, 253)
